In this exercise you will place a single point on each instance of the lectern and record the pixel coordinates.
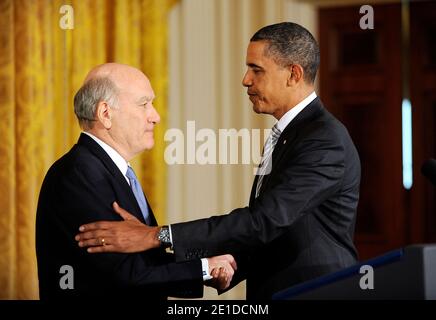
(407, 273)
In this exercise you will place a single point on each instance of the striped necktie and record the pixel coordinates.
(139, 194)
(265, 166)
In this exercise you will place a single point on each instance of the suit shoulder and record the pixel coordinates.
(78, 161)
(323, 125)
(326, 126)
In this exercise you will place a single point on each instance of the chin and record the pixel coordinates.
(256, 109)
(149, 144)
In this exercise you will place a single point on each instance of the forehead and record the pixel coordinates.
(139, 87)
(256, 53)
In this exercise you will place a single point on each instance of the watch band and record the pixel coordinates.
(163, 236)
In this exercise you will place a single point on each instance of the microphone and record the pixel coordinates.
(428, 169)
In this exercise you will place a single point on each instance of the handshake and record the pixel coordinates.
(131, 235)
(221, 268)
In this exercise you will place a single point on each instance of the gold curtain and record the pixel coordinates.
(41, 67)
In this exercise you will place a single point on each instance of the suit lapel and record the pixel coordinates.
(94, 147)
(153, 221)
(287, 140)
(253, 190)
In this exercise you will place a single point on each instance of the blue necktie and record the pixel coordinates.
(139, 194)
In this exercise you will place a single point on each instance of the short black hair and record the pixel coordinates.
(289, 43)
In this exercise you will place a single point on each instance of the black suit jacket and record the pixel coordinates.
(302, 224)
(80, 188)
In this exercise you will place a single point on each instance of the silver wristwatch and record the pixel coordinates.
(163, 236)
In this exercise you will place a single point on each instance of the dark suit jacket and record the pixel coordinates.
(302, 224)
(80, 188)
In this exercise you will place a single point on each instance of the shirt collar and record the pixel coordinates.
(113, 154)
(292, 113)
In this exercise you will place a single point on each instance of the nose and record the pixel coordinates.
(246, 80)
(154, 116)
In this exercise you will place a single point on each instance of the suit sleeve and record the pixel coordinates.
(311, 174)
(84, 195)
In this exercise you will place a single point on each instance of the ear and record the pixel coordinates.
(296, 73)
(104, 114)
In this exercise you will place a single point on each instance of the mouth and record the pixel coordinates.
(253, 97)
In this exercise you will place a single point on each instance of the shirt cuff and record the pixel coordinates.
(171, 235)
(204, 262)
(205, 267)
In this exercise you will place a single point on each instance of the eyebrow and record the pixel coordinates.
(145, 99)
(253, 65)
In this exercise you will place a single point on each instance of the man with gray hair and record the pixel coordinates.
(300, 221)
(115, 110)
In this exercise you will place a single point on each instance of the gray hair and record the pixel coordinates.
(290, 43)
(89, 95)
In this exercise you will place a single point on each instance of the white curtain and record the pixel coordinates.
(208, 41)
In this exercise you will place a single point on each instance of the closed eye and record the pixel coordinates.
(256, 68)
(143, 105)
